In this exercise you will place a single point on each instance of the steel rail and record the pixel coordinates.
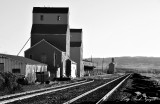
(105, 98)
(29, 95)
(86, 93)
(33, 91)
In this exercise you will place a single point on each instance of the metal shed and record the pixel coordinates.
(21, 66)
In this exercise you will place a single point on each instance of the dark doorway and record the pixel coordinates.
(68, 68)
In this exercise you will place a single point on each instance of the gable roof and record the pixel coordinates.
(49, 29)
(21, 59)
(43, 40)
(76, 30)
(50, 9)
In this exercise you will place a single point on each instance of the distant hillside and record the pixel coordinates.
(143, 63)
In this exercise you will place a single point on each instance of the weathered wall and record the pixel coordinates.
(10, 64)
(42, 49)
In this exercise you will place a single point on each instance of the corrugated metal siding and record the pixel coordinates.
(2, 67)
(10, 64)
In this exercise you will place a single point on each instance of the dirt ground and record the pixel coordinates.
(139, 88)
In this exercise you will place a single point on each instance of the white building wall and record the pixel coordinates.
(63, 72)
(68, 42)
(73, 69)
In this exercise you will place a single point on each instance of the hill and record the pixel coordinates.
(137, 63)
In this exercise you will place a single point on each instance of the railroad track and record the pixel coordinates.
(58, 94)
(29, 94)
(100, 94)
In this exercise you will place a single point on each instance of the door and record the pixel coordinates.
(68, 68)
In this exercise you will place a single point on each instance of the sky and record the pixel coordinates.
(111, 28)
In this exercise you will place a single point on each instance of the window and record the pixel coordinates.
(16, 71)
(58, 18)
(30, 56)
(41, 17)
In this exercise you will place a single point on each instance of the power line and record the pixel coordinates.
(24, 46)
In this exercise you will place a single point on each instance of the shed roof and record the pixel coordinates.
(21, 59)
(49, 29)
(50, 9)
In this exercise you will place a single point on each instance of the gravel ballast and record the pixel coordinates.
(62, 96)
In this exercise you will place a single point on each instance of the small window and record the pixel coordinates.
(16, 71)
(41, 17)
(58, 18)
(30, 56)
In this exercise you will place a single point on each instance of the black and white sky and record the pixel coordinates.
(111, 28)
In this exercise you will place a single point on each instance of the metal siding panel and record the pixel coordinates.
(9, 65)
(12, 65)
(6, 65)
(23, 69)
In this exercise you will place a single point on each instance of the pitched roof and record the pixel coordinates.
(75, 30)
(75, 44)
(21, 59)
(43, 40)
(49, 29)
(50, 9)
